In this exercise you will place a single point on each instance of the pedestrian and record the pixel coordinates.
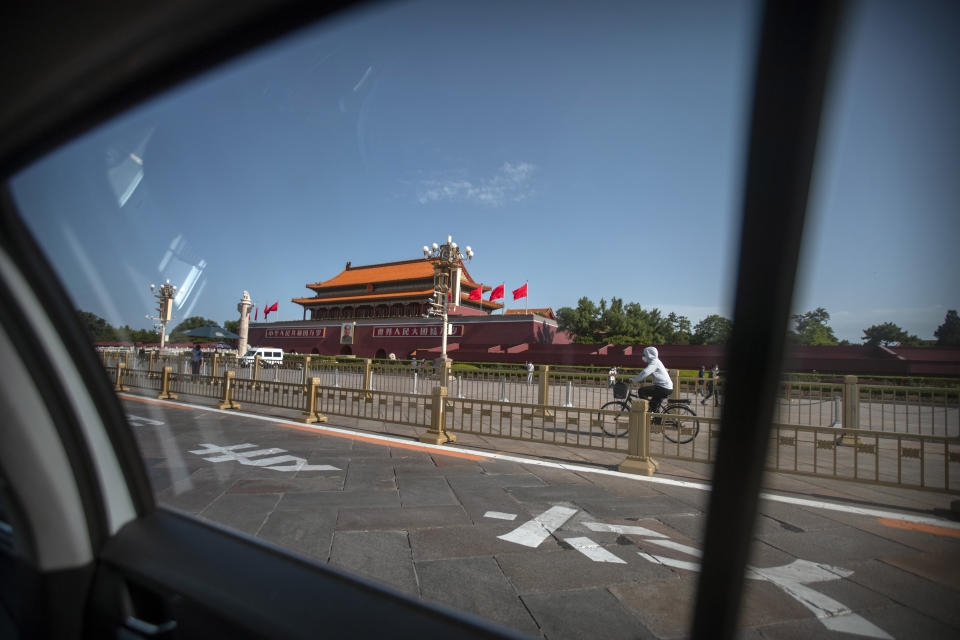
(613, 377)
(713, 387)
(662, 385)
(529, 372)
(700, 377)
(196, 360)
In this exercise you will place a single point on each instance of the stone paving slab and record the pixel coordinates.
(417, 520)
(381, 555)
(400, 518)
(465, 541)
(573, 615)
(489, 593)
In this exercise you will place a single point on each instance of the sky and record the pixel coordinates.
(588, 150)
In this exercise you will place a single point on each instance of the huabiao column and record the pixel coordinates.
(244, 308)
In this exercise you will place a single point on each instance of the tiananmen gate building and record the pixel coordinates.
(374, 310)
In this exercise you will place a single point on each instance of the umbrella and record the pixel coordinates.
(210, 331)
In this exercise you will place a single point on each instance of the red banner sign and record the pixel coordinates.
(296, 333)
(432, 331)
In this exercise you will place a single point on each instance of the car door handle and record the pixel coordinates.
(148, 629)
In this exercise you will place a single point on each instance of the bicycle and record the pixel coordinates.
(677, 421)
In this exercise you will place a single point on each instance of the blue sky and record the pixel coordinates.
(588, 150)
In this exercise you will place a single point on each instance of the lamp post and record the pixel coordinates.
(164, 294)
(447, 260)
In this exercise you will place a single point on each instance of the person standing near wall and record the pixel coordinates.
(196, 360)
(612, 374)
(700, 381)
(713, 387)
(529, 372)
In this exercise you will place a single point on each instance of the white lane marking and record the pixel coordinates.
(533, 532)
(237, 453)
(670, 562)
(243, 458)
(622, 529)
(592, 550)
(804, 571)
(803, 502)
(792, 579)
(670, 544)
(499, 515)
(139, 421)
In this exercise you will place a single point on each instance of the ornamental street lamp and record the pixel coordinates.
(447, 261)
(164, 294)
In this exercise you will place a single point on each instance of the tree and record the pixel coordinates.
(948, 334)
(622, 323)
(98, 329)
(887, 334)
(811, 329)
(232, 325)
(190, 323)
(714, 329)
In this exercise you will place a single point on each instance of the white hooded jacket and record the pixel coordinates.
(661, 377)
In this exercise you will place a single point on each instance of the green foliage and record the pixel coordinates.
(810, 329)
(948, 334)
(887, 334)
(714, 329)
(621, 323)
(100, 330)
(232, 325)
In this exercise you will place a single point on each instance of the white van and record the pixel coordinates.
(269, 357)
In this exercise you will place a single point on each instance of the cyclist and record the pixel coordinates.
(662, 386)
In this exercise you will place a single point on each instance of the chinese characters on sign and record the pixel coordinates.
(456, 330)
(296, 333)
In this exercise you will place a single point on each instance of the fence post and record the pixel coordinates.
(215, 368)
(256, 370)
(851, 411)
(306, 371)
(543, 396)
(311, 415)
(675, 379)
(367, 380)
(444, 374)
(460, 387)
(153, 356)
(437, 433)
(119, 386)
(638, 448)
(569, 402)
(165, 393)
(414, 383)
(228, 380)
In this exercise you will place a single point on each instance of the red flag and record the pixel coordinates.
(476, 294)
(521, 292)
(256, 313)
(267, 310)
(496, 293)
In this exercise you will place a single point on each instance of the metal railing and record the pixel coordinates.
(488, 406)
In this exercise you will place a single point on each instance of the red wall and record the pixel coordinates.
(519, 339)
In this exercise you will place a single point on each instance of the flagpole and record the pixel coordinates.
(526, 298)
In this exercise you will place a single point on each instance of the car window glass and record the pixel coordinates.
(591, 157)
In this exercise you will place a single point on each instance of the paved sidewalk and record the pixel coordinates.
(549, 540)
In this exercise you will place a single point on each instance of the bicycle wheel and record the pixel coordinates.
(614, 418)
(680, 423)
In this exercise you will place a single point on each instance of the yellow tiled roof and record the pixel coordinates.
(545, 312)
(370, 297)
(419, 269)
